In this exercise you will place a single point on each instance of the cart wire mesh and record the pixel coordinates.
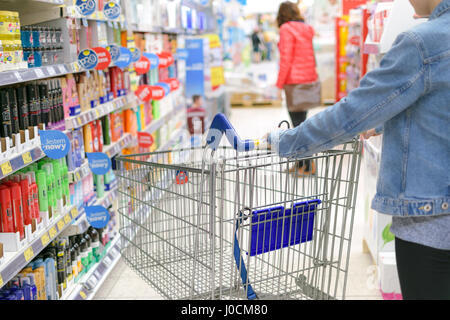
(202, 224)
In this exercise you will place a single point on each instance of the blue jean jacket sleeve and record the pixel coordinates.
(385, 92)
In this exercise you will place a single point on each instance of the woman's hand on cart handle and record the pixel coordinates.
(369, 134)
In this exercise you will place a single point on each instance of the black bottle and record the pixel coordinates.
(5, 129)
(33, 105)
(21, 95)
(44, 103)
(14, 110)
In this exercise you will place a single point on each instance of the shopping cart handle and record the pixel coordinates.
(220, 126)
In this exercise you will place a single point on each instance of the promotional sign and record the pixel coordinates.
(181, 177)
(143, 65)
(112, 10)
(88, 59)
(173, 83)
(170, 58)
(54, 143)
(157, 92)
(145, 140)
(97, 216)
(99, 163)
(165, 86)
(182, 54)
(124, 59)
(114, 51)
(135, 54)
(85, 7)
(154, 60)
(144, 93)
(195, 73)
(104, 58)
(163, 60)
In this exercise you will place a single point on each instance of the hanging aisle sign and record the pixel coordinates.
(112, 10)
(104, 58)
(135, 54)
(154, 60)
(99, 163)
(114, 51)
(88, 59)
(54, 143)
(124, 59)
(86, 7)
(163, 61)
(97, 216)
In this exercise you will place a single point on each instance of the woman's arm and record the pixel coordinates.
(286, 47)
(383, 93)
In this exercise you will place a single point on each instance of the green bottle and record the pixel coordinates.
(41, 181)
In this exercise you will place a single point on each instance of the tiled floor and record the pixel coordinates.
(124, 284)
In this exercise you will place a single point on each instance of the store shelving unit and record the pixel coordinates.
(16, 261)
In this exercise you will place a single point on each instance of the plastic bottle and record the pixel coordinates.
(95, 243)
(84, 253)
(88, 239)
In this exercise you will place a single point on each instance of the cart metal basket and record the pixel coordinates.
(215, 223)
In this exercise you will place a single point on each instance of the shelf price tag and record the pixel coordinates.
(45, 239)
(83, 295)
(51, 71)
(18, 76)
(27, 158)
(60, 225)
(67, 219)
(74, 213)
(6, 168)
(1, 281)
(28, 254)
(53, 232)
(39, 73)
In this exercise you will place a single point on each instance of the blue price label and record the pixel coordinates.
(88, 59)
(154, 60)
(112, 10)
(97, 216)
(55, 144)
(124, 59)
(135, 54)
(99, 163)
(86, 7)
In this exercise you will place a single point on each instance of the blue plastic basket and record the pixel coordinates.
(269, 225)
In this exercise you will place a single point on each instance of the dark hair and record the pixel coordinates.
(288, 11)
(196, 97)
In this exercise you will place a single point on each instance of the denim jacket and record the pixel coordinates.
(409, 97)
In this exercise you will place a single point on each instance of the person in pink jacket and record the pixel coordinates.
(297, 73)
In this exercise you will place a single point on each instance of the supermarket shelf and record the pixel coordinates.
(11, 77)
(91, 281)
(81, 224)
(97, 112)
(175, 138)
(79, 173)
(116, 147)
(16, 261)
(20, 161)
(157, 124)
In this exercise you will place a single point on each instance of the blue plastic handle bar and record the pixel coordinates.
(222, 126)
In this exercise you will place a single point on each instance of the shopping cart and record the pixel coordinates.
(233, 223)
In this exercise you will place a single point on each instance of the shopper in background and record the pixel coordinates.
(256, 44)
(408, 98)
(297, 75)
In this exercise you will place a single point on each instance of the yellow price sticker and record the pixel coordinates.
(6, 168)
(79, 121)
(53, 232)
(27, 158)
(1, 281)
(60, 224)
(83, 295)
(74, 213)
(28, 254)
(67, 219)
(45, 239)
(97, 113)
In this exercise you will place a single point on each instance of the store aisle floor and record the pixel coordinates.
(124, 284)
